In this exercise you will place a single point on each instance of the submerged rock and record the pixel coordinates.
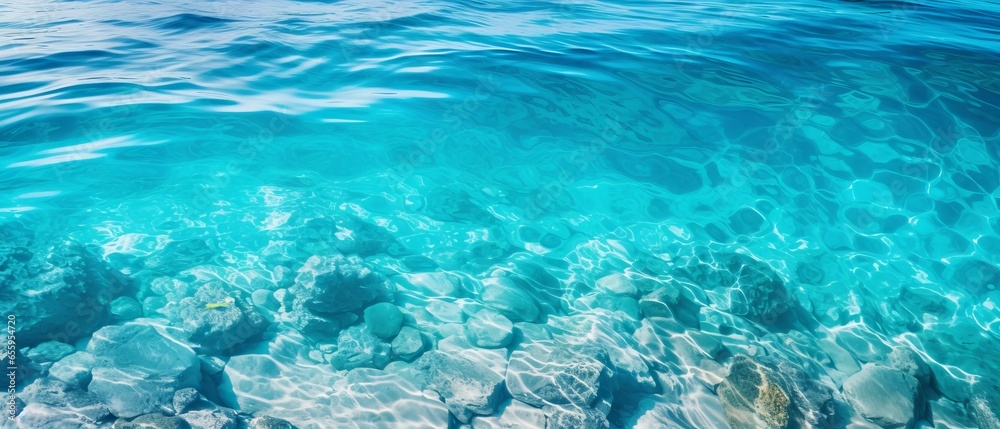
(137, 369)
(612, 332)
(617, 283)
(752, 398)
(74, 370)
(408, 344)
(907, 360)
(58, 291)
(772, 393)
(984, 405)
(572, 417)
(546, 372)
(218, 319)
(48, 352)
(744, 286)
(125, 308)
(349, 235)
(489, 329)
(217, 418)
(153, 421)
(384, 320)
(512, 414)
(268, 422)
(357, 347)
(184, 398)
(338, 284)
(885, 396)
(505, 296)
(468, 387)
(54, 404)
(660, 302)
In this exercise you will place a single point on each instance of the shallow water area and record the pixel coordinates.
(453, 214)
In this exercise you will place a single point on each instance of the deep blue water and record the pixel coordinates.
(708, 213)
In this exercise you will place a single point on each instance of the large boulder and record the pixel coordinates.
(771, 393)
(137, 369)
(338, 284)
(885, 396)
(468, 387)
(741, 285)
(54, 404)
(218, 319)
(546, 372)
(489, 329)
(58, 291)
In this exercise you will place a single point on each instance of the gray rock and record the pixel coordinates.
(885, 396)
(337, 284)
(504, 295)
(384, 320)
(264, 298)
(184, 398)
(660, 302)
(468, 388)
(408, 344)
(154, 365)
(51, 403)
(489, 329)
(983, 405)
(357, 347)
(74, 370)
(153, 421)
(218, 319)
(625, 304)
(48, 352)
(218, 418)
(573, 417)
(59, 291)
(512, 414)
(125, 308)
(907, 360)
(618, 283)
(744, 286)
(545, 372)
(268, 422)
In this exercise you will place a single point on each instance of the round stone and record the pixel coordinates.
(384, 320)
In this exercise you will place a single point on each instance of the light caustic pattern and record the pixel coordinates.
(583, 214)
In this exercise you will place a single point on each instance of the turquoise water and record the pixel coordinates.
(583, 214)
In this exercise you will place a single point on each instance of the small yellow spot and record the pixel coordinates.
(221, 304)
